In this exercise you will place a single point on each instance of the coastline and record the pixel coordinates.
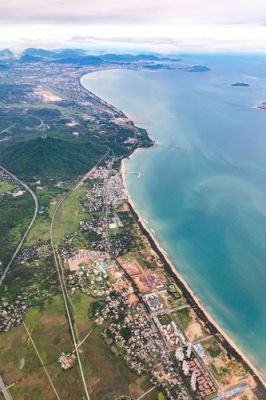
(191, 296)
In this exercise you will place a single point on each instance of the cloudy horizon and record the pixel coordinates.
(168, 26)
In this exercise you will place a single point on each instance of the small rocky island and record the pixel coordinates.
(262, 105)
(198, 68)
(240, 84)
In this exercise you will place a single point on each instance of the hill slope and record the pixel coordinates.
(50, 157)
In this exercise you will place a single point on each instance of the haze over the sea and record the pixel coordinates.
(203, 190)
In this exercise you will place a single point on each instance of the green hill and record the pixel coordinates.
(50, 157)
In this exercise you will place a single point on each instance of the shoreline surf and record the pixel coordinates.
(206, 315)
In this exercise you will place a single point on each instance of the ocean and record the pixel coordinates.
(202, 190)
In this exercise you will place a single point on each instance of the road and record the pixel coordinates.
(4, 390)
(136, 291)
(29, 227)
(60, 272)
(145, 394)
(85, 338)
(7, 129)
(41, 361)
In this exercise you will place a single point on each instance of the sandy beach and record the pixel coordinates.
(188, 288)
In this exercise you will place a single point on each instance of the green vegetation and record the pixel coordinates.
(39, 147)
(86, 239)
(6, 187)
(182, 317)
(69, 215)
(18, 360)
(109, 377)
(164, 319)
(212, 347)
(37, 281)
(95, 306)
(15, 216)
(50, 157)
(220, 374)
(40, 230)
(81, 303)
(47, 198)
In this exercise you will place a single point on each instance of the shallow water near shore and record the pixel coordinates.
(203, 190)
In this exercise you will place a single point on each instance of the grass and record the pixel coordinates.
(6, 187)
(80, 303)
(161, 396)
(108, 375)
(19, 362)
(40, 230)
(47, 198)
(182, 318)
(69, 215)
(80, 241)
(220, 374)
(212, 347)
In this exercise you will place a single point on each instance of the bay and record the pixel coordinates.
(203, 189)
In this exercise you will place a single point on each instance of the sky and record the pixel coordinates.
(158, 25)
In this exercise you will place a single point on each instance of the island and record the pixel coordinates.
(262, 105)
(198, 68)
(90, 305)
(240, 84)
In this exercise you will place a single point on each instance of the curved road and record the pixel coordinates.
(29, 227)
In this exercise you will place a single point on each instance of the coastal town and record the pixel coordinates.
(145, 316)
(90, 285)
(148, 318)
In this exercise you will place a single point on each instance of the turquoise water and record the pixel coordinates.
(203, 190)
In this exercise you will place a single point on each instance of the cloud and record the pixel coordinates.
(172, 38)
(179, 24)
(133, 11)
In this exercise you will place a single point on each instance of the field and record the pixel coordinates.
(189, 323)
(80, 305)
(5, 187)
(225, 370)
(18, 360)
(47, 197)
(182, 318)
(69, 215)
(108, 375)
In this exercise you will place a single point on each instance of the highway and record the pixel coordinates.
(4, 390)
(29, 227)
